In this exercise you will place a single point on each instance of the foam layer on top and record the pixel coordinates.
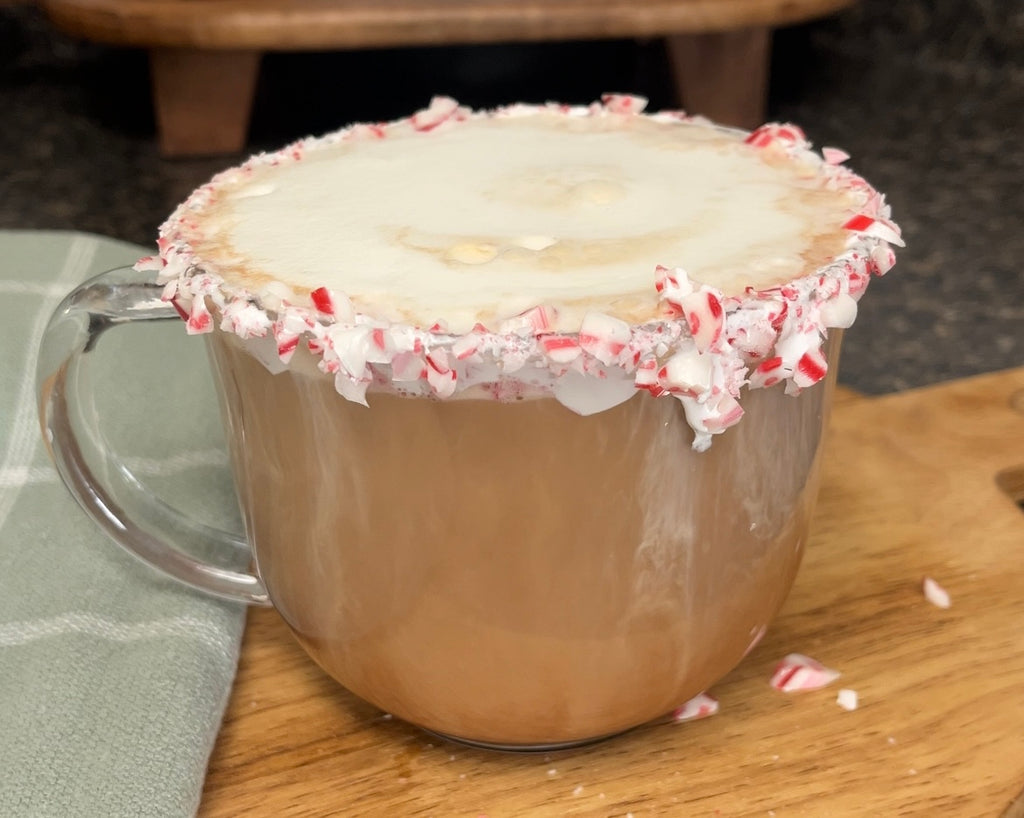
(480, 221)
(580, 252)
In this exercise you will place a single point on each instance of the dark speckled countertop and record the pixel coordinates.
(926, 95)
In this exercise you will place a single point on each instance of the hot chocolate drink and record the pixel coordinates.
(509, 572)
(525, 407)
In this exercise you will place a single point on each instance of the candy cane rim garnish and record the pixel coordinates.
(703, 351)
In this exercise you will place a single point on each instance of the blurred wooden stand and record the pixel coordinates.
(205, 55)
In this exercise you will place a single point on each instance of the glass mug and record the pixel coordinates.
(511, 575)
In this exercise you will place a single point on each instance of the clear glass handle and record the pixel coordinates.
(118, 502)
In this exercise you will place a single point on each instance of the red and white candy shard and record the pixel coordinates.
(334, 304)
(840, 312)
(322, 300)
(466, 346)
(408, 366)
(623, 103)
(440, 375)
(702, 347)
(287, 332)
(687, 374)
(149, 264)
(774, 134)
(440, 111)
(244, 319)
(531, 322)
(353, 389)
(884, 258)
(703, 313)
(560, 349)
(797, 672)
(647, 377)
(199, 320)
(700, 706)
(811, 368)
(604, 336)
(877, 227)
(711, 417)
(672, 286)
(935, 593)
(834, 156)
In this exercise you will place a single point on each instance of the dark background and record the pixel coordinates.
(927, 96)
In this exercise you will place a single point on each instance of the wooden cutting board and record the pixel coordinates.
(923, 483)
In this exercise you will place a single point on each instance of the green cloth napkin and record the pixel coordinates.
(113, 679)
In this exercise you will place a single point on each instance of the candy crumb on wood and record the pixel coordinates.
(935, 593)
(700, 706)
(797, 672)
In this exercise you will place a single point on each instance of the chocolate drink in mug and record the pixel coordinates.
(525, 407)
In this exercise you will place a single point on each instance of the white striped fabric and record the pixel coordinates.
(113, 679)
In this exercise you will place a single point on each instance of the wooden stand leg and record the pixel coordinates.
(203, 99)
(723, 75)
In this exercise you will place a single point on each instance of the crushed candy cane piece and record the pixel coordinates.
(441, 377)
(603, 336)
(323, 300)
(672, 286)
(561, 349)
(441, 110)
(847, 699)
(149, 264)
(935, 593)
(623, 103)
(199, 319)
(879, 228)
(685, 374)
(535, 320)
(703, 312)
(353, 389)
(840, 312)
(647, 377)
(797, 672)
(775, 133)
(245, 320)
(466, 346)
(811, 368)
(884, 258)
(700, 706)
(834, 156)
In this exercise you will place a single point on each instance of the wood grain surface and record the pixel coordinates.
(910, 490)
(327, 24)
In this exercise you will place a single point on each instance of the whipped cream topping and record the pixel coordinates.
(699, 261)
(477, 223)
